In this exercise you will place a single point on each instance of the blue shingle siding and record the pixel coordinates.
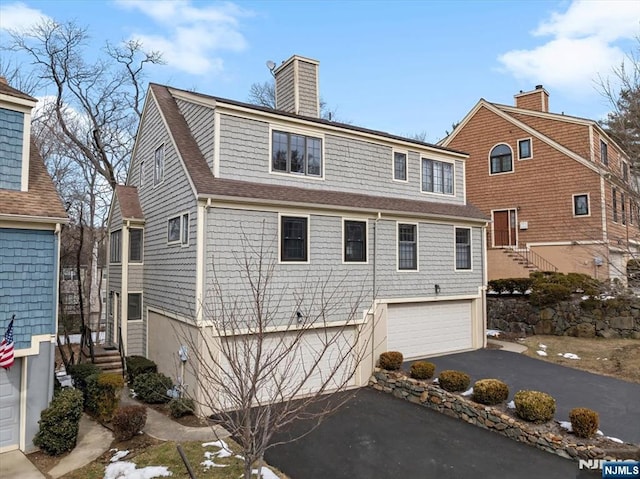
(27, 282)
(11, 144)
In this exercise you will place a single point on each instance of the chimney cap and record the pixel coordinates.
(539, 87)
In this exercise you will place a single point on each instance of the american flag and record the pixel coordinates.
(6, 348)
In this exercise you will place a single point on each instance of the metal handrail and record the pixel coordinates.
(535, 259)
(86, 340)
(121, 351)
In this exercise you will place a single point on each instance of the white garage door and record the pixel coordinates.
(426, 329)
(10, 407)
(324, 358)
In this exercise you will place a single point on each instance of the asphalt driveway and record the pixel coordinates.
(615, 400)
(377, 436)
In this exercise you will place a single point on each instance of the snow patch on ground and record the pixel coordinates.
(223, 451)
(468, 392)
(265, 473)
(119, 455)
(127, 470)
(511, 405)
(540, 352)
(566, 425)
(436, 381)
(615, 439)
(569, 356)
(542, 346)
(493, 333)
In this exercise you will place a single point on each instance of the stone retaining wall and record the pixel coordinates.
(429, 395)
(614, 318)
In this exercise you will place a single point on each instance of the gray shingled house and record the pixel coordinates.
(333, 200)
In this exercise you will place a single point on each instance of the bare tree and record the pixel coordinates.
(623, 95)
(261, 365)
(86, 130)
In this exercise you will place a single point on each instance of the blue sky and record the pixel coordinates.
(404, 67)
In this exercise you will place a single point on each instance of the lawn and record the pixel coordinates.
(226, 463)
(619, 358)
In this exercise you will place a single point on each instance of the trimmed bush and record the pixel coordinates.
(152, 388)
(544, 294)
(454, 381)
(103, 395)
(137, 365)
(584, 422)
(534, 406)
(490, 391)
(391, 360)
(79, 374)
(128, 421)
(59, 423)
(422, 370)
(181, 407)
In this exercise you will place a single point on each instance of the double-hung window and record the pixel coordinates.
(623, 212)
(604, 153)
(463, 248)
(407, 246)
(158, 165)
(134, 306)
(135, 245)
(115, 243)
(178, 230)
(614, 204)
(437, 177)
(355, 241)
(294, 239)
(296, 154)
(399, 166)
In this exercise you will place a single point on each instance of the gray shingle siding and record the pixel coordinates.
(11, 144)
(225, 231)
(350, 165)
(307, 89)
(285, 90)
(201, 121)
(135, 277)
(136, 338)
(169, 270)
(226, 227)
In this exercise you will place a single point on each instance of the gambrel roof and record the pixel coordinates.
(206, 185)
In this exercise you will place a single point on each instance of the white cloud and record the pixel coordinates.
(19, 17)
(192, 35)
(582, 48)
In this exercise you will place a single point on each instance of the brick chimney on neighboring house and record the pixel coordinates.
(297, 86)
(537, 99)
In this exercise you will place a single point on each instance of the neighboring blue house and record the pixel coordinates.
(31, 215)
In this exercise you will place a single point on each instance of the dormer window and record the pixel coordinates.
(296, 154)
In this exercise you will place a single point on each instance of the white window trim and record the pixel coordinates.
(417, 225)
(110, 236)
(366, 245)
(513, 166)
(296, 131)
(141, 293)
(179, 240)
(406, 165)
(164, 164)
(141, 246)
(141, 173)
(573, 205)
(530, 157)
(455, 262)
(294, 215)
(453, 173)
(188, 215)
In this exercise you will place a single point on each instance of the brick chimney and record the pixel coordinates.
(297, 86)
(537, 99)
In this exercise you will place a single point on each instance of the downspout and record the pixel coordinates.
(375, 295)
(124, 287)
(485, 280)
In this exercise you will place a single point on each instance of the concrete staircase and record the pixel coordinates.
(520, 258)
(107, 359)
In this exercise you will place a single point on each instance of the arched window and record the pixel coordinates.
(501, 159)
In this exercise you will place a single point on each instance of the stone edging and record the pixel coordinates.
(426, 394)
